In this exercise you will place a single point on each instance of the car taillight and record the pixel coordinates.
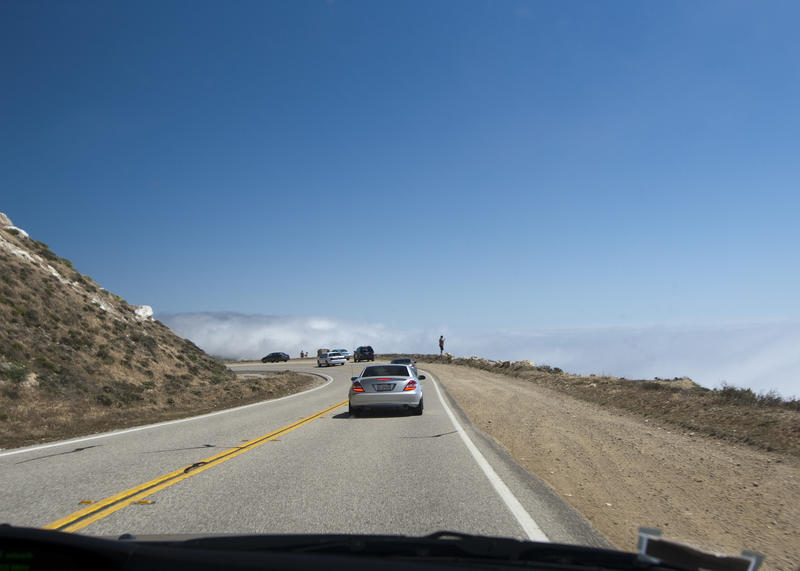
(358, 387)
(412, 385)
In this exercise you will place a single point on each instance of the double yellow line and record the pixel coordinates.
(111, 504)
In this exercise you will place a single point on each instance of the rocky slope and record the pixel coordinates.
(75, 358)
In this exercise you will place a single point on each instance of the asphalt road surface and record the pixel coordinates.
(299, 464)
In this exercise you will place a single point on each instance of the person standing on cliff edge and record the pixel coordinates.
(441, 345)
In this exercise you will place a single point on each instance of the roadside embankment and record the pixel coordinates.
(764, 421)
(33, 420)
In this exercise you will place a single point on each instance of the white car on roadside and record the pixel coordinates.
(331, 358)
(344, 352)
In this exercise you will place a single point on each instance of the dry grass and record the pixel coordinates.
(764, 421)
(36, 420)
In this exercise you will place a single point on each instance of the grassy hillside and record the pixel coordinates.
(75, 358)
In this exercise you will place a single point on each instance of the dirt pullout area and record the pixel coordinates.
(623, 472)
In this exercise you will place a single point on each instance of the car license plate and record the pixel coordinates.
(384, 387)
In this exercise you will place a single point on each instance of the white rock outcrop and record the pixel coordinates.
(144, 312)
(6, 223)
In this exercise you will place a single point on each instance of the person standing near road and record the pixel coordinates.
(441, 345)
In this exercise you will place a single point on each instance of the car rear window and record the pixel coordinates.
(386, 371)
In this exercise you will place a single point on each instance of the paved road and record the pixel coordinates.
(298, 464)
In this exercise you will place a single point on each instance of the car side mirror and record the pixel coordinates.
(422, 377)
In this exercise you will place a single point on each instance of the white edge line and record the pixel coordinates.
(165, 423)
(529, 526)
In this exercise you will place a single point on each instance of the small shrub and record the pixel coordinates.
(16, 352)
(120, 393)
(44, 250)
(47, 364)
(217, 367)
(144, 340)
(11, 392)
(104, 355)
(75, 339)
(31, 317)
(733, 395)
(650, 385)
(16, 374)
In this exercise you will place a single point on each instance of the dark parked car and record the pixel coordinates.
(275, 357)
(405, 361)
(363, 353)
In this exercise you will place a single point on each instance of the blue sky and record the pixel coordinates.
(458, 166)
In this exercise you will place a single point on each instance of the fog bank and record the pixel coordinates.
(761, 356)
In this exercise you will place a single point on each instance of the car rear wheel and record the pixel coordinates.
(353, 410)
(418, 409)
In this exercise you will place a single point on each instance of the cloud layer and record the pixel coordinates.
(761, 356)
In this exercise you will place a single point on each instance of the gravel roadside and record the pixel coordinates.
(623, 472)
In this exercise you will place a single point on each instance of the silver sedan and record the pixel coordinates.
(386, 386)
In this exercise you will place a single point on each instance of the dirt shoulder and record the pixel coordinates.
(623, 471)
